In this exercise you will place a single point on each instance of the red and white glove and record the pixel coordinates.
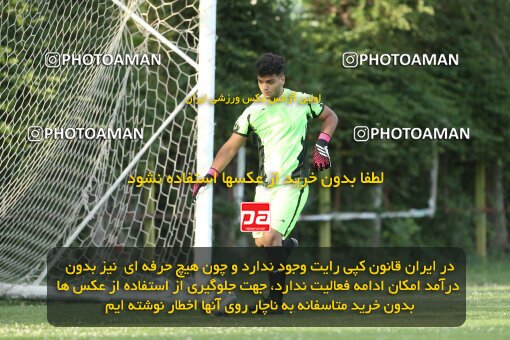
(213, 173)
(320, 157)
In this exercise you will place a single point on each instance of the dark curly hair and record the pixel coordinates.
(269, 64)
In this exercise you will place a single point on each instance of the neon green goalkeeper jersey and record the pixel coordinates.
(280, 128)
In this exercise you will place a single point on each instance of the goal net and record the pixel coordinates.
(68, 74)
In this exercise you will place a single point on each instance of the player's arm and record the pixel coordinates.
(320, 158)
(222, 159)
(228, 151)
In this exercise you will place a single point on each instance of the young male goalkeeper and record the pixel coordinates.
(280, 125)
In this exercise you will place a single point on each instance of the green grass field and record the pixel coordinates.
(488, 317)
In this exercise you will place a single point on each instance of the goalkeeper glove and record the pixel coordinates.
(213, 173)
(320, 158)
